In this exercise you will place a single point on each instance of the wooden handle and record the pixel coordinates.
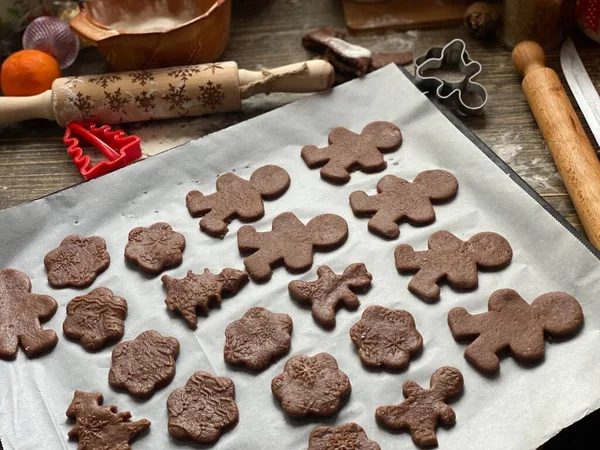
(15, 109)
(571, 150)
(309, 76)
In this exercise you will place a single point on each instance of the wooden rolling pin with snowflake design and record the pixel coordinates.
(162, 93)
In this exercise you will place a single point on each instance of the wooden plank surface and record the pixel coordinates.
(34, 163)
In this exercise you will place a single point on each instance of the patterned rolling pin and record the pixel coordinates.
(162, 93)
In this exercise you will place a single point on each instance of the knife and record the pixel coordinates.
(581, 86)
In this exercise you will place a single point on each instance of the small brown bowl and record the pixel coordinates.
(145, 34)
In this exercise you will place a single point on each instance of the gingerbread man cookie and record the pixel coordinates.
(311, 385)
(237, 198)
(329, 290)
(290, 242)
(451, 259)
(350, 436)
(144, 364)
(100, 426)
(386, 337)
(155, 248)
(21, 315)
(349, 151)
(398, 200)
(424, 408)
(77, 261)
(513, 324)
(95, 318)
(197, 293)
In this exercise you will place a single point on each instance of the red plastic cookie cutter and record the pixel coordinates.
(118, 148)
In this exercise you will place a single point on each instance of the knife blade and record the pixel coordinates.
(581, 86)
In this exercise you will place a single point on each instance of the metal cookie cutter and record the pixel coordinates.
(470, 97)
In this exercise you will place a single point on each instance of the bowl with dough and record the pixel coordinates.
(145, 34)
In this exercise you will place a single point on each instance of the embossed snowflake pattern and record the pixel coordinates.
(145, 101)
(176, 97)
(311, 385)
(83, 103)
(349, 436)
(105, 80)
(211, 95)
(115, 101)
(386, 338)
(142, 365)
(203, 408)
(258, 338)
(213, 67)
(142, 77)
(183, 73)
(73, 82)
(155, 248)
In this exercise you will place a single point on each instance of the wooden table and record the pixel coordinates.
(34, 163)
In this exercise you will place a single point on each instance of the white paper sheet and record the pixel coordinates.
(518, 409)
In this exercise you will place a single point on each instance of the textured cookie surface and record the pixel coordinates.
(21, 315)
(350, 436)
(311, 385)
(144, 364)
(386, 337)
(452, 259)
(198, 293)
(101, 427)
(514, 324)
(348, 151)
(155, 248)
(203, 408)
(77, 261)
(330, 290)
(423, 409)
(290, 242)
(96, 318)
(258, 338)
(237, 198)
(398, 200)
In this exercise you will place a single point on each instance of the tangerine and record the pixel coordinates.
(28, 72)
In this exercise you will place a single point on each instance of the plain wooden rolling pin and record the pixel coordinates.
(571, 150)
(162, 93)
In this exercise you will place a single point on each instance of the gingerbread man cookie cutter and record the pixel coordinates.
(469, 96)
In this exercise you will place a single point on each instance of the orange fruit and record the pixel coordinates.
(28, 72)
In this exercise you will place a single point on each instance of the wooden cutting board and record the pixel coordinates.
(403, 14)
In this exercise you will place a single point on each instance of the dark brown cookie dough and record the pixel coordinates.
(386, 337)
(311, 385)
(258, 338)
(513, 324)
(237, 198)
(155, 248)
(350, 436)
(203, 408)
(197, 293)
(95, 318)
(21, 315)
(348, 151)
(290, 242)
(398, 200)
(424, 408)
(101, 427)
(452, 259)
(145, 364)
(330, 290)
(77, 261)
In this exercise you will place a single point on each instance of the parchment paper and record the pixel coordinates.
(519, 409)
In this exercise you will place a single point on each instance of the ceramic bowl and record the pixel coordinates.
(145, 34)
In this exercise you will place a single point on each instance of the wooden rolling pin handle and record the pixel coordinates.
(567, 141)
(15, 109)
